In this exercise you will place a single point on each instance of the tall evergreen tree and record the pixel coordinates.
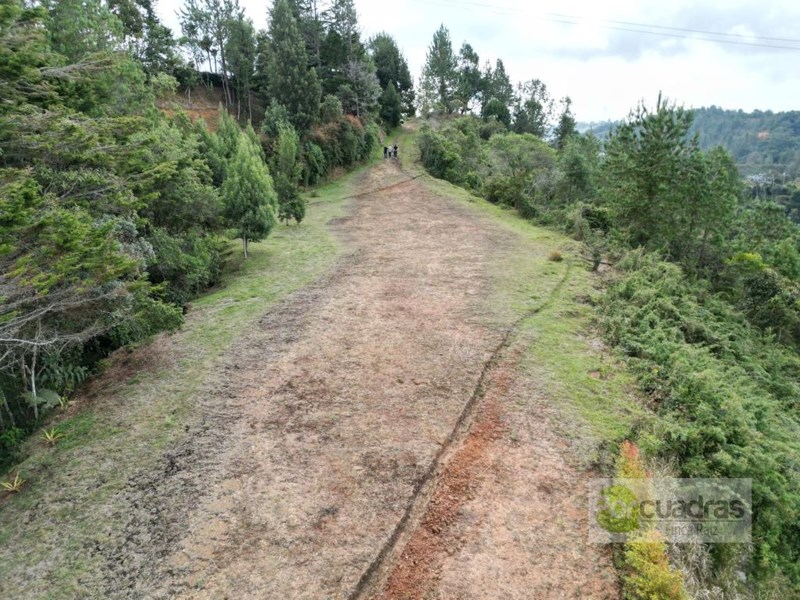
(241, 53)
(212, 19)
(250, 200)
(360, 93)
(146, 37)
(662, 190)
(439, 76)
(81, 27)
(291, 82)
(534, 109)
(308, 14)
(342, 19)
(390, 107)
(470, 79)
(497, 85)
(391, 67)
(565, 129)
(228, 134)
(286, 172)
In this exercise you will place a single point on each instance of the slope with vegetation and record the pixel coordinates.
(765, 146)
(704, 299)
(116, 209)
(116, 212)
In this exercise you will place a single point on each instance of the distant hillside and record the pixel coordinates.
(761, 141)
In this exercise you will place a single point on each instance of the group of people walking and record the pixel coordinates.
(390, 152)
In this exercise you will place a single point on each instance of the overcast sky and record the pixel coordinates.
(598, 53)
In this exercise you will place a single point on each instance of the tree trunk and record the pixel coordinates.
(244, 246)
(33, 386)
(238, 103)
(8, 410)
(226, 86)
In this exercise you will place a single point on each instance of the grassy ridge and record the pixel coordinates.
(553, 300)
(61, 509)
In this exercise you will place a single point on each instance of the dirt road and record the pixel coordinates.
(371, 436)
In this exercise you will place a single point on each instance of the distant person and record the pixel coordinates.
(395, 150)
(385, 152)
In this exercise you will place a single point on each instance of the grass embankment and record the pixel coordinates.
(552, 300)
(548, 287)
(139, 406)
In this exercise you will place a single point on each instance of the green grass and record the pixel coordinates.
(592, 388)
(551, 301)
(127, 429)
(59, 512)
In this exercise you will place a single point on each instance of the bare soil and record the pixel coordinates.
(371, 436)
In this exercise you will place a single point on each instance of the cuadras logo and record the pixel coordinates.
(619, 509)
(714, 511)
(697, 508)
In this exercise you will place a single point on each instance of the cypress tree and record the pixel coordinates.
(292, 83)
(391, 106)
(286, 169)
(249, 197)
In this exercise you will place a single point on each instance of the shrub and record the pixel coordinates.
(503, 190)
(727, 397)
(185, 264)
(440, 156)
(630, 464)
(555, 256)
(330, 110)
(648, 575)
(314, 166)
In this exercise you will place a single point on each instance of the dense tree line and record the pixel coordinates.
(706, 301)
(455, 83)
(113, 215)
(761, 142)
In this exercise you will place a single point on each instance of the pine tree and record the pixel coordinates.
(470, 79)
(343, 20)
(391, 107)
(439, 76)
(291, 82)
(228, 134)
(534, 108)
(497, 85)
(249, 197)
(286, 170)
(392, 67)
(566, 125)
(361, 90)
(308, 14)
(241, 53)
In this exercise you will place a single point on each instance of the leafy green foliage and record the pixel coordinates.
(648, 575)
(291, 82)
(286, 168)
(250, 200)
(391, 107)
(664, 192)
(439, 76)
(728, 397)
(391, 69)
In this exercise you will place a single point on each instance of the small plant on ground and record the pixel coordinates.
(648, 574)
(13, 485)
(52, 435)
